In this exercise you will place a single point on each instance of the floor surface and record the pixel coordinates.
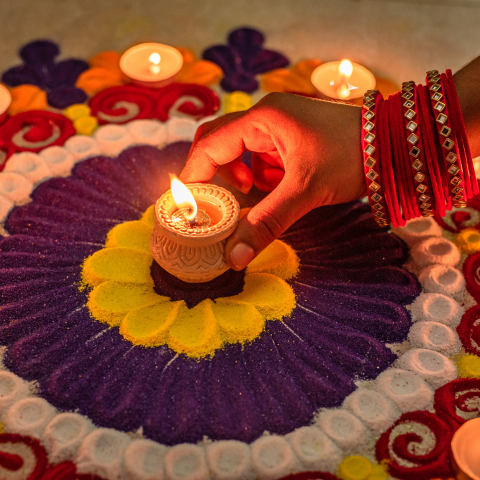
(400, 39)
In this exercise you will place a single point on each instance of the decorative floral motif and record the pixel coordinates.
(349, 283)
(27, 97)
(469, 328)
(200, 72)
(243, 58)
(25, 458)
(297, 79)
(458, 219)
(123, 104)
(124, 296)
(104, 72)
(79, 114)
(417, 446)
(33, 131)
(40, 69)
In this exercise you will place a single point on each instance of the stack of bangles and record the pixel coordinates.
(416, 156)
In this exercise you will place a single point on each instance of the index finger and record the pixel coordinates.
(223, 141)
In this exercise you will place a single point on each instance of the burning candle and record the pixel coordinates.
(192, 223)
(342, 80)
(5, 99)
(151, 64)
(466, 451)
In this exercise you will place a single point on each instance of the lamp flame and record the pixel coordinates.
(183, 198)
(154, 60)
(345, 69)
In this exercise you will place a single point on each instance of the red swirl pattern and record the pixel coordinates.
(33, 131)
(125, 103)
(469, 328)
(399, 446)
(471, 272)
(16, 460)
(458, 220)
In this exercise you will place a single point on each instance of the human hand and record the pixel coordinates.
(310, 148)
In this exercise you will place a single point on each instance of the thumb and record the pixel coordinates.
(265, 222)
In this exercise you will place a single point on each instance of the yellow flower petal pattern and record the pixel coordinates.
(195, 331)
(272, 296)
(238, 322)
(135, 235)
(149, 216)
(123, 296)
(110, 301)
(278, 259)
(468, 241)
(120, 264)
(149, 325)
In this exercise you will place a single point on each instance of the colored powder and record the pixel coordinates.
(468, 366)
(278, 259)
(148, 325)
(135, 235)
(238, 322)
(110, 301)
(121, 264)
(272, 296)
(195, 332)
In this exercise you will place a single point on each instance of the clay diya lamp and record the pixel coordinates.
(465, 453)
(191, 227)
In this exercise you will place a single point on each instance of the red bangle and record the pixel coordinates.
(446, 135)
(423, 189)
(429, 137)
(386, 166)
(408, 182)
(462, 132)
(371, 157)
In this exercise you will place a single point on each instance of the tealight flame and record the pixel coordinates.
(154, 60)
(183, 198)
(345, 69)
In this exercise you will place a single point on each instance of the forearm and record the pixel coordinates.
(467, 83)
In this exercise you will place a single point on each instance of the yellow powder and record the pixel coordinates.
(148, 216)
(238, 322)
(110, 301)
(468, 366)
(195, 331)
(135, 235)
(120, 264)
(148, 325)
(468, 241)
(278, 259)
(355, 467)
(272, 296)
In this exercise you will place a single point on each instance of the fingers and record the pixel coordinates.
(201, 166)
(265, 176)
(223, 141)
(237, 174)
(266, 221)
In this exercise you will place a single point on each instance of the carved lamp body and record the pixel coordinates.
(194, 253)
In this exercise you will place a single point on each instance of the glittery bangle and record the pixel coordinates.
(446, 135)
(420, 174)
(458, 123)
(371, 157)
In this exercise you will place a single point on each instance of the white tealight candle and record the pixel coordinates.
(151, 64)
(342, 80)
(5, 99)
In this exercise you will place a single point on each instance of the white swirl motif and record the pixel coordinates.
(174, 110)
(132, 111)
(19, 138)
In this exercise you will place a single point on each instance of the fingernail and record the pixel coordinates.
(241, 255)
